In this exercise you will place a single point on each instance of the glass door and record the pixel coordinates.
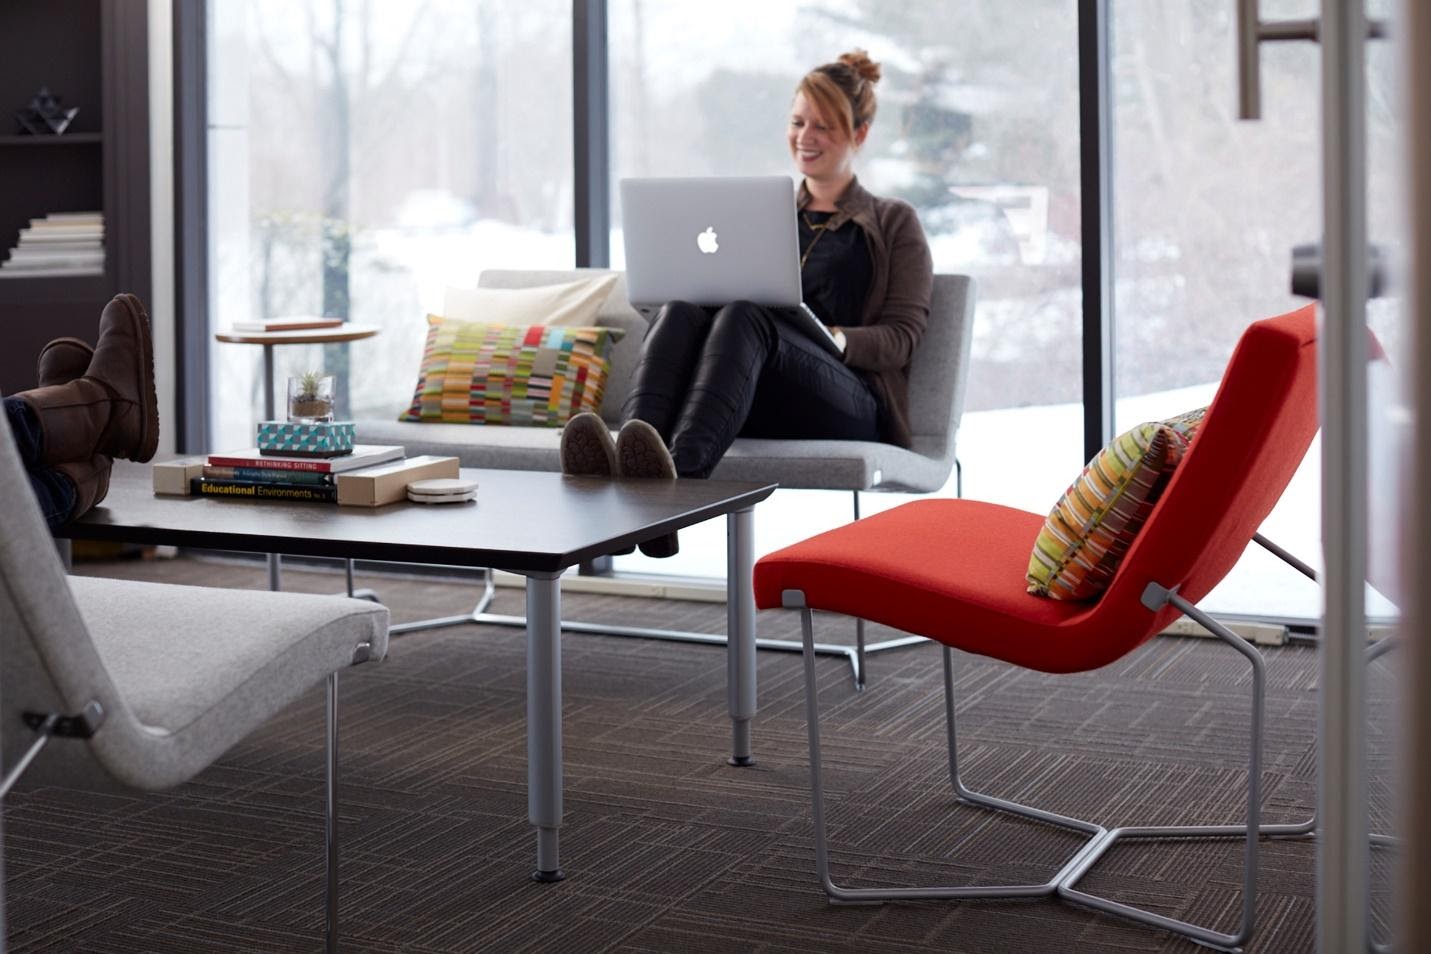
(1207, 210)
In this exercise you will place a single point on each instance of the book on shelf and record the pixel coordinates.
(48, 272)
(70, 218)
(28, 238)
(27, 258)
(262, 490)
(287, 324)
(268, 475)
(36, 233)
(363, 455)
(59, 245)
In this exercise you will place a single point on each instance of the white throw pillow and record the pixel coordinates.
(568, 305)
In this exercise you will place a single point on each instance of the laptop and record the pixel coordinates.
(711, 241)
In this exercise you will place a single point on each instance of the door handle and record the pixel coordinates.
(1253, 31)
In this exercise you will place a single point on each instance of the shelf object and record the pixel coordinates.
(93, 53)
(69, 139)
(45, 116)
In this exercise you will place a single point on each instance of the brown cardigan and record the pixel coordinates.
(897, 309)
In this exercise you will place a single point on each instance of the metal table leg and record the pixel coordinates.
(275, 565)
(544, 770)
(740, 627)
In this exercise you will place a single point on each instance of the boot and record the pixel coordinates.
(587, 450)
(91, 480)
(62, 360)
(113, 410)
(640, 452)
(586, 447)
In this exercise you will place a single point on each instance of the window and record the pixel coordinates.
(1207, 210)
(362, 157)
(977, 127)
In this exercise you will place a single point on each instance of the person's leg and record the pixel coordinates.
(672, 345)
(757, 366)
(54, 492)
(68, 490)
(804, 393)
(112, 410)
(28, 438)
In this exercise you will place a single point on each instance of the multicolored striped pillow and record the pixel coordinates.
(1090, 529)
(528, 375)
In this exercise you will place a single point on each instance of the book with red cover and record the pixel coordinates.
(363, 455)
(287, 324)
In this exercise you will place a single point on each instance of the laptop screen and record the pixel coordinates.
(711, 241)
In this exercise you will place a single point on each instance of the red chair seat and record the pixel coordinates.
(951, 570)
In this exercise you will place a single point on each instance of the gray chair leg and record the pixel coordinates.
(859, 628)
(364, 593)
(1100, 839)
(330, 830)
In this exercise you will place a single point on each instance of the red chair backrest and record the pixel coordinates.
(1256, 433)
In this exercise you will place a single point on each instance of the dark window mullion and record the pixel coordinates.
(1096, 175)
(590, 134)
(191, 225)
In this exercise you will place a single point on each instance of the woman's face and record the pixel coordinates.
(818, 147)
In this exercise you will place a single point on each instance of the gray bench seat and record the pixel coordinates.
(936, 395)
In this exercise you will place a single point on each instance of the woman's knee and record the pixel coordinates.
(745, 314)
(682, 311)
(678, 324)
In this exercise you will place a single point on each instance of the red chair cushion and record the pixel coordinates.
(953, 570)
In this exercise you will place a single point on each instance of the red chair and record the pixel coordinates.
(953, 571)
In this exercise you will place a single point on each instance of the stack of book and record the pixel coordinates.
(253, 475)
(61, 243)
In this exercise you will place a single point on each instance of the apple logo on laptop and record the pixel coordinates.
(707, 240)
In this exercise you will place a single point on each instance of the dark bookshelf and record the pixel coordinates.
(93, 54)
(68, 139)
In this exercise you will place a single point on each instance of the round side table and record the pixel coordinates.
(270, 340)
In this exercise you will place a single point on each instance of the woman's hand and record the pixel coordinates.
(839, 338)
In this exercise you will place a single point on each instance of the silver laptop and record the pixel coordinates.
(711, 241)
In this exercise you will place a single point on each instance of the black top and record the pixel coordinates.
(836, 278)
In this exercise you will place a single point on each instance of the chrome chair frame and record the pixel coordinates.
(1099, 838)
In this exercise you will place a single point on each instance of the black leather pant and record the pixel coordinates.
(709, 375)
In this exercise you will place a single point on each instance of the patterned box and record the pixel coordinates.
(331, 439)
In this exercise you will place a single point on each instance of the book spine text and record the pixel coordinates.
(255, 490)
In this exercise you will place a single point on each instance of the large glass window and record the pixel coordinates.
(364, 156)
(1207, 211)
(977, 127)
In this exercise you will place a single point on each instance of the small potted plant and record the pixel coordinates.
(310, 398)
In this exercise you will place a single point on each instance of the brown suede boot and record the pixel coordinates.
(91, 480)
(113, 410)
(62, 360)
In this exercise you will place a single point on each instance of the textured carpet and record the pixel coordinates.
(666, 847)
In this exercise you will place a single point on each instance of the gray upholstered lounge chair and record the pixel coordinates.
(937, 380)
(146, 684)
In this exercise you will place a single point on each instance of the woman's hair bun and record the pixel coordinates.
(860, 62)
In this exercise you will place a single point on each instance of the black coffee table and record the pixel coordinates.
(535, 524)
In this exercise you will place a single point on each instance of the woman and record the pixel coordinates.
(709, 375)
